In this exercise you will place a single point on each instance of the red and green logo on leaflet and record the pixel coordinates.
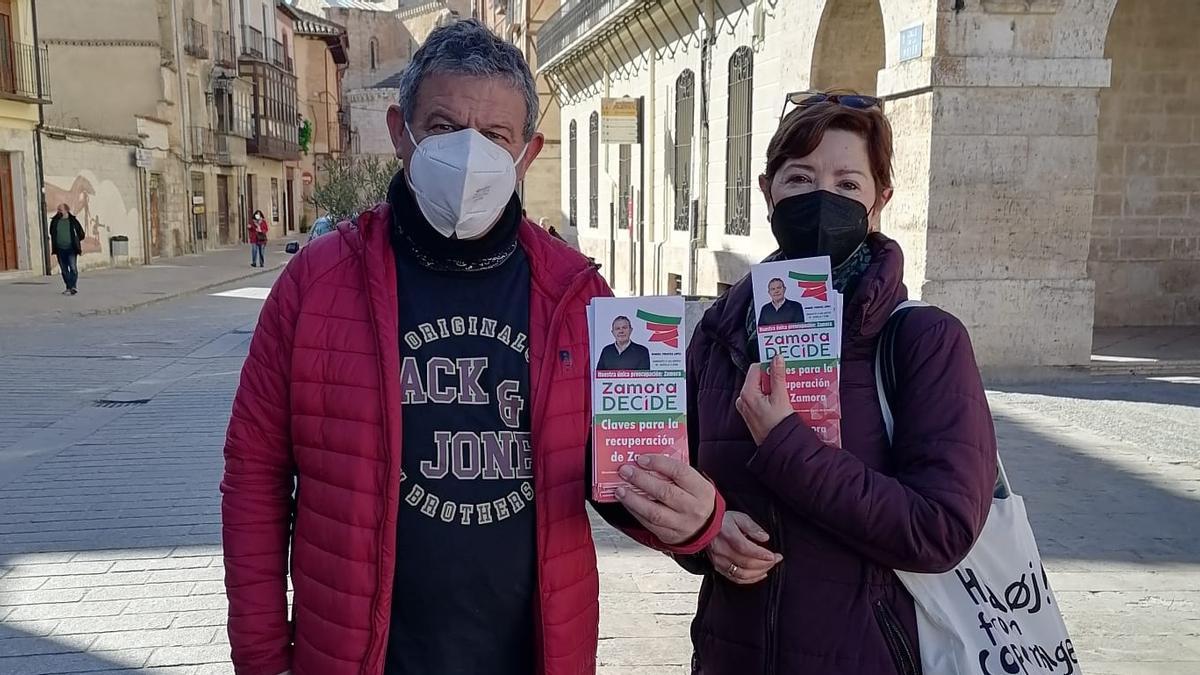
(812, 285)
(664, 329)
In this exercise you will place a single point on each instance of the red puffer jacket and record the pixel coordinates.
(319, 403)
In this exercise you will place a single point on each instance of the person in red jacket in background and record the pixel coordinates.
(410, 438)
(258, 239)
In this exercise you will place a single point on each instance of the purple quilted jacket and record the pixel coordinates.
(843, 518)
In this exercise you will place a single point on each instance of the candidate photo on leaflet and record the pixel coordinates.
(623, 353)
(780, 311)
(801, 578)
(409, 441)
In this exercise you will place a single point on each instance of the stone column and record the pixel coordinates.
(996, 175)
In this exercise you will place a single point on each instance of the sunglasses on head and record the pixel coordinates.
(804, 99)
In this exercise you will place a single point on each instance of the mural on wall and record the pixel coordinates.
(98, 204)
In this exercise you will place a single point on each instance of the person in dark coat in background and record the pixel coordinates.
(801, 580)
(66, 242)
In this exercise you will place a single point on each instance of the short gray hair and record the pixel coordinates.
(466, 47)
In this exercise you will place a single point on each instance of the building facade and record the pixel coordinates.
(123, 95)
(385, 33)
(519, 21)
(322, 48)
(24, 85)
(1047, 162)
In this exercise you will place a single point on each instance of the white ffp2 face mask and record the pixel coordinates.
(461, 181)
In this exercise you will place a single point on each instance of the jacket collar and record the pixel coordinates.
(554, 267)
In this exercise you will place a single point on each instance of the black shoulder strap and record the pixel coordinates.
(887, 352)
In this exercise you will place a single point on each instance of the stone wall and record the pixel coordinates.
(102, 186)
(1145, 248)
(18, 143)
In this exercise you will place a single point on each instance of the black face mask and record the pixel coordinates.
(819, 223)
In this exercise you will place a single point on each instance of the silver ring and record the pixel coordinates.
(733, 568)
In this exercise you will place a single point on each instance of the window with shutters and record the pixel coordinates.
(685, 114)
(737, 145)
(572, 177)
(594, 170)
(624, 186)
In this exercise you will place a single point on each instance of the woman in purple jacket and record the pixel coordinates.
(800, 580)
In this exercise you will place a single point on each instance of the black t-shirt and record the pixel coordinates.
(635, 357)
(789, 312)
(466, 552)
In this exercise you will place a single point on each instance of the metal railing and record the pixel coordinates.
(278, 56)
(224, 48)
(195, 39)
(571, 21)
(252, 42)
(204, 144)
(19, 76)
(273, 148)
(224, 148)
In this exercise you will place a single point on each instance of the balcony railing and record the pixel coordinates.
(19, 66)
(252, 42)
(224, 148)
(204, 144)
(278, 55)
(571, 21)
(273, 148)
(225, 49)
(196, 39)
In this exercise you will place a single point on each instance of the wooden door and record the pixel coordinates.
(245, 217)
(223, 209)
(8, 70)
(155, 199)
(8, 226)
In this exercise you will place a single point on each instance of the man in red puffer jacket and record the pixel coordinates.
(412, 423)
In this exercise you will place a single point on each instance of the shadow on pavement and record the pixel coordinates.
(1164, 390)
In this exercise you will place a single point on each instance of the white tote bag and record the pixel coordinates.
(994, 613)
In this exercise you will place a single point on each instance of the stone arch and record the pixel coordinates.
(1144, 257)
(850, 46)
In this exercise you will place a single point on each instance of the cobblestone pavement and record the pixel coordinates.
(110, 455)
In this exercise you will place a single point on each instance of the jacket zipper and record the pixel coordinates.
(373, 636)
(776, 593)
(897, 642)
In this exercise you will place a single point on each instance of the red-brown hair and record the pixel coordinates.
(801, 131)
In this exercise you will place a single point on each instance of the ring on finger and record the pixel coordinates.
(733, 569)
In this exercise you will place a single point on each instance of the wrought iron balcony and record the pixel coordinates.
(196, 39)
(225, 50)
(204, 144)
(20, 78)
(271, 147)
(278, 56)
(570, 22)
(252, 42)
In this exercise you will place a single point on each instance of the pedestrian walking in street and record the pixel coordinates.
(800, 579)
(66, 237)
(258, 240)
(410, 437)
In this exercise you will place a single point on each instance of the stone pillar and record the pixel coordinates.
(995, 177)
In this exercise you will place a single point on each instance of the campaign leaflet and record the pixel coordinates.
(799, 315)
(639, 392)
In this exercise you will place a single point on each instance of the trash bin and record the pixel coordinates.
(118, 249)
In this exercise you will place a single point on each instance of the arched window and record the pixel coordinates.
(594, 170)
(685, 115)
(737, 145)
(374, 47)
(572, 177)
